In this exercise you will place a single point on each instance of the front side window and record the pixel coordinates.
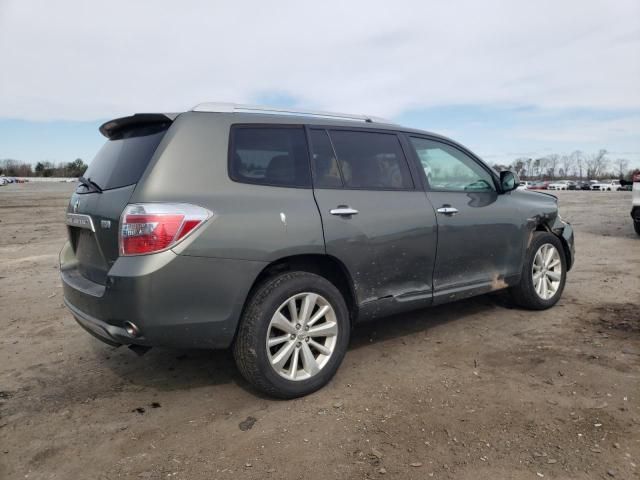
(269, 156)
(371, 160)
(449, 169)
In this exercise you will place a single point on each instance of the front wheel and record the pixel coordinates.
(544, 273)
(636, 225)
(293, 335)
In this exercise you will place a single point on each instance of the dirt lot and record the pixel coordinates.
(473, 390)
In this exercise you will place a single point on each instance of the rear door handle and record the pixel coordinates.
(447, 210)
(343, 210)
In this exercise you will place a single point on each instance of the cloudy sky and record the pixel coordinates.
(506, 78)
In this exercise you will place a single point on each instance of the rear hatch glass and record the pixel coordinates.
(116, 169)
(121, 161)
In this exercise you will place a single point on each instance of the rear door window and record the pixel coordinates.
(122, 159)
(269, 156)
(371, 160)
(325, 164)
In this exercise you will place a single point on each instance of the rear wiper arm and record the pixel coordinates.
(90, 184)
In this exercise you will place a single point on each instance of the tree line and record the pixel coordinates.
(576, 165)
(14, 168)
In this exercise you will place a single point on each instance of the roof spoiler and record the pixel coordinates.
(112, 127)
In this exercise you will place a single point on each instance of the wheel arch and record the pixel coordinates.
(544, 227)
(324, 265)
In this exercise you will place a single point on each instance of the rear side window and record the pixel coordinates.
(122, 160)
(325, 164)
(371, 160)
(269, 156)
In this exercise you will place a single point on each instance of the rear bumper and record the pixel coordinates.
(109, 334)
(174, 300)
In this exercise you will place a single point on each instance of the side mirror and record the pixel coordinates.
(508, 181)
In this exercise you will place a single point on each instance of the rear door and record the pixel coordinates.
(375, 220)
(480, 233)
(93, 214)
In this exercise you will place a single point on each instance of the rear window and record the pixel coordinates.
(269, 156)
(122, 160)
(371, 160)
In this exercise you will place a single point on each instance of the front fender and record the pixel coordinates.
(564, 231)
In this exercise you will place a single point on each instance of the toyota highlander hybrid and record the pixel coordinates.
(275, 232)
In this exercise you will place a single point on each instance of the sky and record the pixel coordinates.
(506, 78)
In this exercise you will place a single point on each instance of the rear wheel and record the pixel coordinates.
(543, 274)
(636, 225)
(293, 335)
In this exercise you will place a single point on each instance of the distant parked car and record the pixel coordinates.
(524, 185)
(562, 185)
(583, 186)
(3, 181)
(606, 185)
(539, 186)
(624, 188)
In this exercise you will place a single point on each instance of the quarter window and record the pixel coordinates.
(449, 169)
(270, 156)
(371, 160)
(325, 165)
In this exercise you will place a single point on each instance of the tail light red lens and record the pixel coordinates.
(153, 227)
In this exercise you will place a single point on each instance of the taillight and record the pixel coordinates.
(153, 227)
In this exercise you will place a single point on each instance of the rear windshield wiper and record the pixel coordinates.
(90, 184)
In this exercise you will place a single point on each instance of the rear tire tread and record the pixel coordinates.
(244, 351)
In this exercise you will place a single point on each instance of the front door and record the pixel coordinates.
(479, 235)
(376, 222)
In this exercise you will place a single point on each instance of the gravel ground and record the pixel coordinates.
(471, 390)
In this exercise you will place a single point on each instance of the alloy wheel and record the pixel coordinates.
(546, 271)
(302, 336)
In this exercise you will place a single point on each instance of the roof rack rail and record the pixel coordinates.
(221, 107)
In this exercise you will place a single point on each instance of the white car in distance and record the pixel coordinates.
(562, 185)
(608, 185)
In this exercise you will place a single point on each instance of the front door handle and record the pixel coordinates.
(343, 210)
(447, 210)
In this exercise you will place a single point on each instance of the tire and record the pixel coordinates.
(525, 294)
(636, 226)
(253, 357)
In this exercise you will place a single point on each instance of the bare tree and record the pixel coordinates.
(552, 164)
(621, 164)
(567, 162)
(535, 167)
(540, 166)
(596, 164)
(520, 166)
(577, 159)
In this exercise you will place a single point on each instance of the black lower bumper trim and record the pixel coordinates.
(109, 334)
